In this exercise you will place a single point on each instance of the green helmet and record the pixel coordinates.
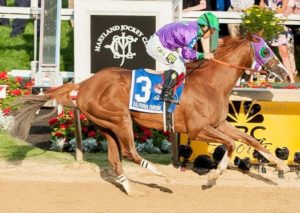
(210, 20)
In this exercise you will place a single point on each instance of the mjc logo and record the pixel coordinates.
(247, 113)
(120, 41)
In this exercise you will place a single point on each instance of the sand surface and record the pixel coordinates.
(44, 187)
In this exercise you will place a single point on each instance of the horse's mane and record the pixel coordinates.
(229, 45)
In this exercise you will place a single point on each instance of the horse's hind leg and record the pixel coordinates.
(114, 159)
(236, 134)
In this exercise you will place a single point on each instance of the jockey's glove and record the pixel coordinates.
(200, 56)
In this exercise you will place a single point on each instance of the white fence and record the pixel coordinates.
(30, 13)
(235, 17)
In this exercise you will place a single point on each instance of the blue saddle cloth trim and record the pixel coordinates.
(145, 92)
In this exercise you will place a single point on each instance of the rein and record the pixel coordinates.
(219, 62)
(238, 67)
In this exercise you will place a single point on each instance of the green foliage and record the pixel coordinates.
(158, 137)
(89, 145)
(12, 149)
(17, 52)
(262, 22)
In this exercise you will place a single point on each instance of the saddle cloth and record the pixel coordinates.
(145, 91)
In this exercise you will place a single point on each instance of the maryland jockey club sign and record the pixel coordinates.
(120, 41)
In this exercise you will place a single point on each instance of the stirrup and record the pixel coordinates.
(169, 99)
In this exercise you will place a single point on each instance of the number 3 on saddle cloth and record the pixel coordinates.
(145, 91)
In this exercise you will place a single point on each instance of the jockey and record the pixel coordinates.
(174, 43)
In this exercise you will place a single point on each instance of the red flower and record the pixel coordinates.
(3, 75)
(6, 111)
(18, 79)
(27, 92)
(16, 92)
(29, 84)
(63, 126)
(147, 132)
(144, 138)
(82, 117)
(290, 86)
(84, 129)
(58, 134)
(166, 133)
(91, 134)
(52, 121)
(71, 114)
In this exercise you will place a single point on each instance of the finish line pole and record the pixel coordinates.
(78, 136)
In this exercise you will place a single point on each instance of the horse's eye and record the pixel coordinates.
(265, 52)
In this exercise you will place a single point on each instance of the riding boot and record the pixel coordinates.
(168, 88)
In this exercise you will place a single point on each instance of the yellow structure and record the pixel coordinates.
(273, 124)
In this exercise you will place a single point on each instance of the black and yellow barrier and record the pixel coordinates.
(273, 118)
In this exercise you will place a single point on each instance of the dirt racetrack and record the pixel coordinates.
(43, 187)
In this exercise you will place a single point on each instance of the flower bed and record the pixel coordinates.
(15, 86)
(63, 129)
(63, 136)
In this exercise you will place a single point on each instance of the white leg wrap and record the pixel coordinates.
(123, 180)
(147, 165)
(224, 162)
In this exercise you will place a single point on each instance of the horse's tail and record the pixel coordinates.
(26, 115)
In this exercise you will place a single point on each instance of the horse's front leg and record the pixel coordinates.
(211, 134)
(238, 135)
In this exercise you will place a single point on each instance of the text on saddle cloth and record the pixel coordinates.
(145, 91)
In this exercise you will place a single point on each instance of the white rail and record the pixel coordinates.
(236, 17)
(68, 14)
(31, 13)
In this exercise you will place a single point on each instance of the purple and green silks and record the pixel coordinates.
(182, 35)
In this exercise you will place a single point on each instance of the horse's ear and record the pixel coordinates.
(252, 38)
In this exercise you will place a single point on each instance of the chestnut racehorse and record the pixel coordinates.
(104, 99)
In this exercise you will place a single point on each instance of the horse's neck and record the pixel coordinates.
(223, 77)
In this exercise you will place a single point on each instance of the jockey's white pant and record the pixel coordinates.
(165, 56)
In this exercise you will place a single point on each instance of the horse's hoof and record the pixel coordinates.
(211, 182)
(123, 180)
(126, 187)
(213, 176)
